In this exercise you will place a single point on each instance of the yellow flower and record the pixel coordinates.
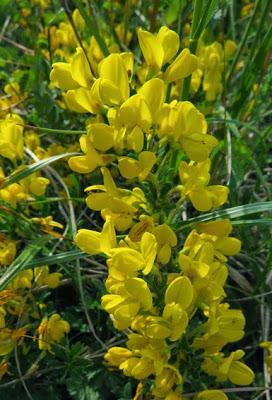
(22, 280)
(127, 260)
(165, 381)
(182, 123)
(211, 395)
(120, 204)
(166, 238)
(116, 355)
(134, 296)
(34, 184)
(51, 330)
(93, 242)
(153, 92)
(9, 338)
(268, 357)
(182, 66)
(138, 368)
(228, 368)
(145, 224)
(7, 251)
(11, 137)
(43, 277)
(161, 49)
(223, 326)
(90, 161)
(195, 180)
(180, 291)
(130, 168)
(112, 87)
(47, 223)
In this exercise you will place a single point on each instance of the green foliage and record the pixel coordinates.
(240, 117)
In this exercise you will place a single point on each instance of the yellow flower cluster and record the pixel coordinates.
(163, 294)
(17, 301)
(212, 62)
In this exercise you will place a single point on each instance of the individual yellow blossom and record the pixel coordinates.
(90, 161)
(116, 355)
(161, 49)
(246, 9)
(47, 223)
(13, 96)
(179, 291)
(51, 330)
(32, 140)
(145, 224)
(22, 280)
(66, 35)
(134, 112)
(34, 184)
(13, 194)
(147, 357)
(172, 324)
(166, 238)
(165, 381)
(139, 391)
(268, 359)
(134, 295)
(7, 295)
(42, 276)
(130, 168)
(123, 35)
(195, 180)
(153, 92)
(138, 368)
(229, 48)
(182, 123)
(101, 136)
(228, 368)
(211, 395)
(223, 326)
(93, 242)
(127, 260)
(112, 87)
(9, 338)
(7, 251)
(11, 137)
(120, 204)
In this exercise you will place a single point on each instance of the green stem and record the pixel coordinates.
(92, 27)
(242, 43)
(50, 130)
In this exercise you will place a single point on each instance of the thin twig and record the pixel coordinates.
(19, 46)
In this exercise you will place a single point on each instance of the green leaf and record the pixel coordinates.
(172, 11)
(21, 261)
(231, 213)
(31, 169)
(59, 258)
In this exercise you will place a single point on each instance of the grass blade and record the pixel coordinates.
(31, 169)
(56, 259)
(231, 213)
(92, 27)
(201, 18)
(22, 260)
